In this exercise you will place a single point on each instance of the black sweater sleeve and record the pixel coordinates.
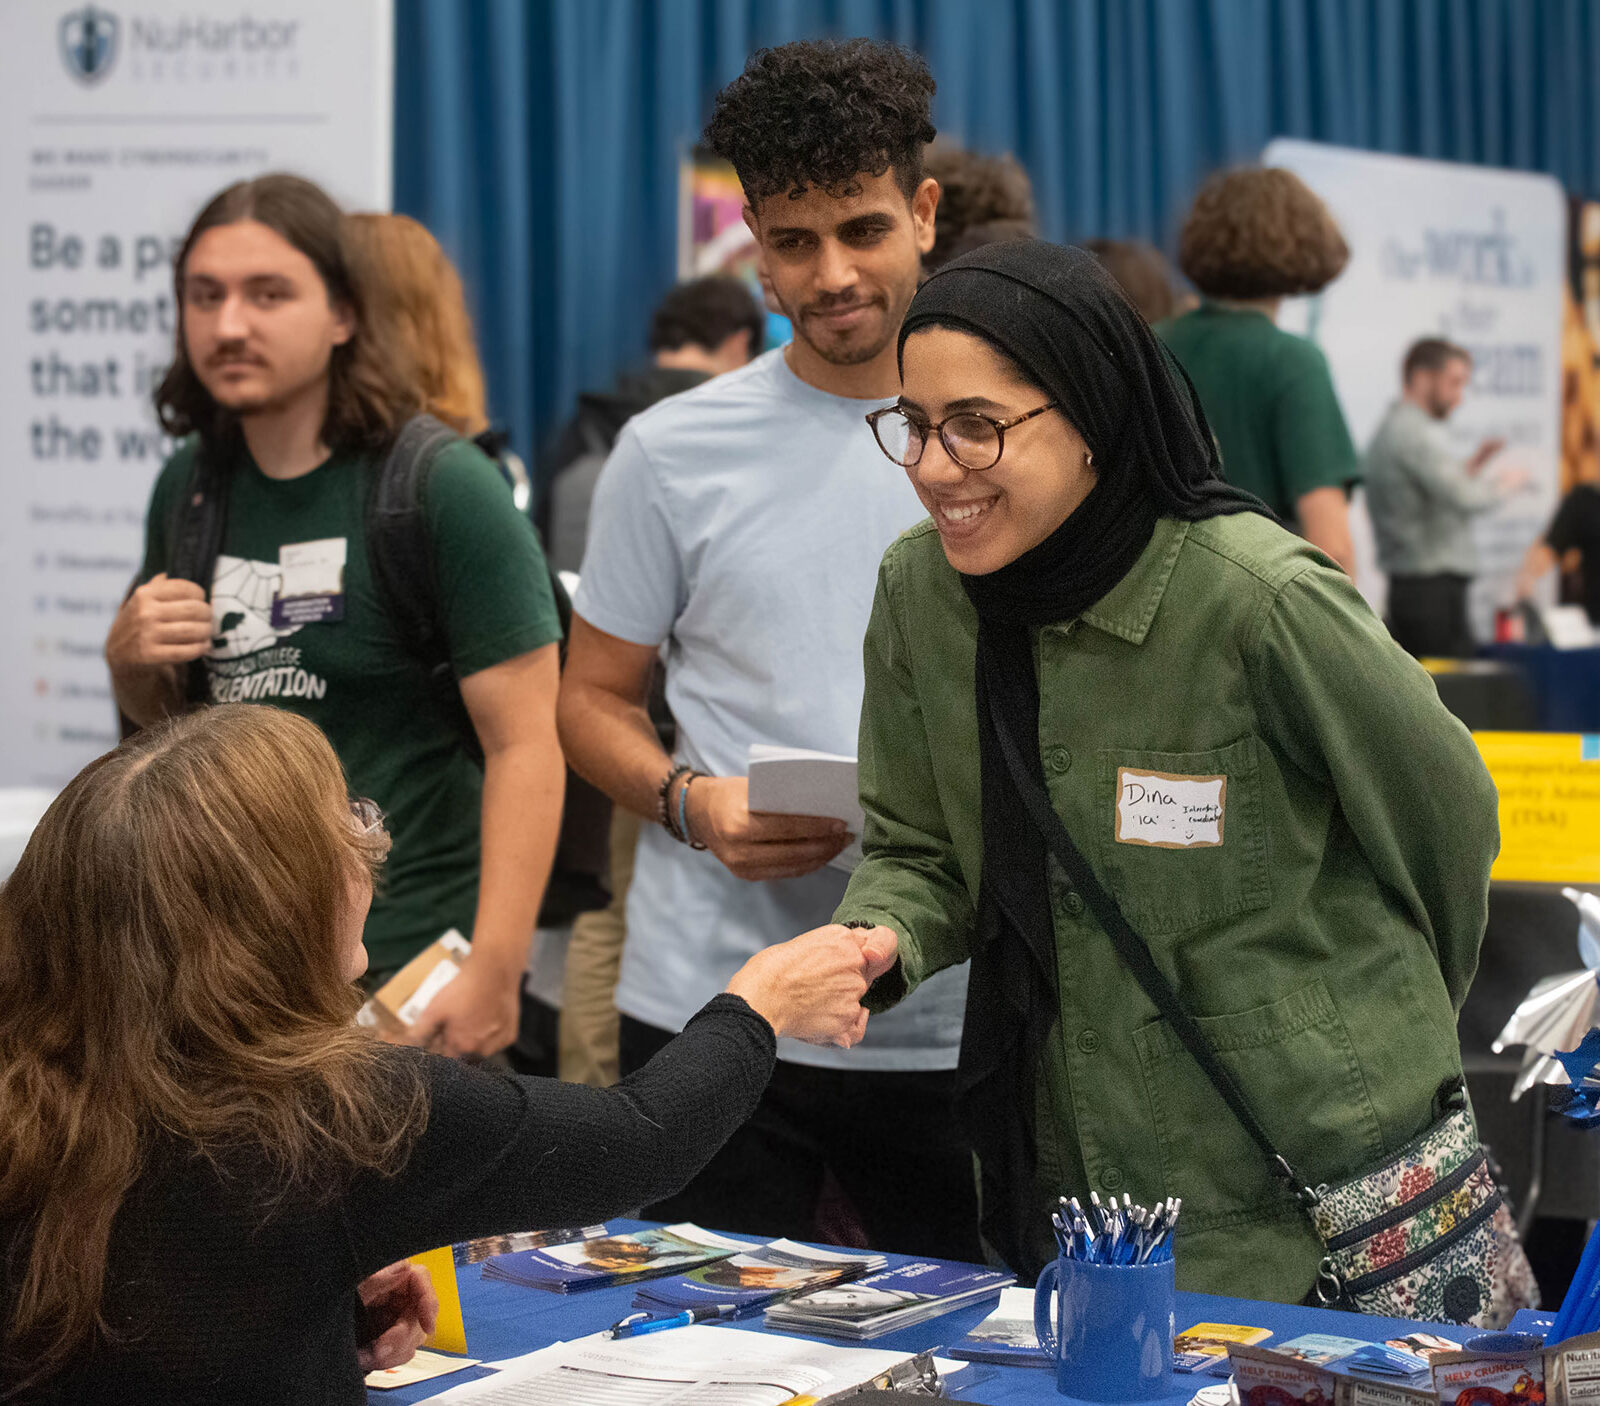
(503, 1153)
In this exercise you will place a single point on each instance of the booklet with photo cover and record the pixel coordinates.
(1204, 1347)
(612, 1259)
(892, 1298)
(476, 1251)
(1006, 1335)
(755, 1277)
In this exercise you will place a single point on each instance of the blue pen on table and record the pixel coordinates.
(637, 1324)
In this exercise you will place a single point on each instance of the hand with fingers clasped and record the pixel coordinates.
(402, 1311)
(165, 621)
(810, 988)
(756, 845)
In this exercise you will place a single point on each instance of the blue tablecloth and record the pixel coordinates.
(1565, 684)
(504, 1320)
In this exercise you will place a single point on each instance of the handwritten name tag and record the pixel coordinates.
(1169, 812)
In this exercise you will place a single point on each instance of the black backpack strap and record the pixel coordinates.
(1135, 953)
(199, 518)
(496, 444)
(400, 552)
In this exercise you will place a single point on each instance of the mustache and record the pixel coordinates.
(234, 356)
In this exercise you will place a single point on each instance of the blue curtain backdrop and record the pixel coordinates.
(540, 138)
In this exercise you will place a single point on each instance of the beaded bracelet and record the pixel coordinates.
(663, 807)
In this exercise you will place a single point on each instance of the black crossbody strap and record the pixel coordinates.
(1134, 951)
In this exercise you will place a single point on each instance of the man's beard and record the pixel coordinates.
(845, 353)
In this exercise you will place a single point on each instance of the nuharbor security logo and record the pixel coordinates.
(89, 38)
(184, 48)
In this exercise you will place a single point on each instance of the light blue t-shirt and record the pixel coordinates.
(741, 524)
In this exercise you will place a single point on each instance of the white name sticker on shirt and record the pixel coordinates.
(1169, 812)
(311, 582)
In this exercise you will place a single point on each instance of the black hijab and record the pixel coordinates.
(1060, 318)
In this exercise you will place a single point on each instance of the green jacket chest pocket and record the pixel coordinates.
(1180, 837)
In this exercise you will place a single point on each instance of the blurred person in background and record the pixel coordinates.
(982, 200)
(740, 524)
(1572, 543)
(1254, 237)
(1423, 498)
(287, 391)
(700, 329)
(423, 308)
(1142, 272)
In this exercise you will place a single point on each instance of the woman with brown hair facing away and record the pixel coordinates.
(1254, 238)
(201, 1155)
(422, 308)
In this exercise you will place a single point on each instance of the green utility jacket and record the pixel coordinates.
(1324, 945)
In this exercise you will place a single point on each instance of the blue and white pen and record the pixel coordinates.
(637, 1324)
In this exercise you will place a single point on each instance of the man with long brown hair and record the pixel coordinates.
(286, 403)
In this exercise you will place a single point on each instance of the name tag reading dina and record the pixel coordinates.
(1170, 812)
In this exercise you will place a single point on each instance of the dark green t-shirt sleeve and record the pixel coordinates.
(1310, 439)
(169, 483)
(494, 587)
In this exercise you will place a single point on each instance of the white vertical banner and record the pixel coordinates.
(1468, 253)
(117, 123)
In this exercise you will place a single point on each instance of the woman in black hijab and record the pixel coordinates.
(1095, 636)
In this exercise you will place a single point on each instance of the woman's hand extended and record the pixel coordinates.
(810, 988)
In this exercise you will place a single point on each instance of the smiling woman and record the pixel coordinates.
(1111, 644)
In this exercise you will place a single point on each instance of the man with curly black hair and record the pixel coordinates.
(740, 524)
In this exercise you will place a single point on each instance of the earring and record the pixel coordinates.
(1088, 458)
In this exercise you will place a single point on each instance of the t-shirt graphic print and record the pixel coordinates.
(354, 676)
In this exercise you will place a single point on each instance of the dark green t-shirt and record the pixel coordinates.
(1271, 404)
(356, 679)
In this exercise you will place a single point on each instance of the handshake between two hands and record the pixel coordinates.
(811, 987)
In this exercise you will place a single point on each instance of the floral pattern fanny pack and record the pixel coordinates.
(1426, 1236)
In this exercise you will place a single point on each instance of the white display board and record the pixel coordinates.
(117, 122)
(1468, 253)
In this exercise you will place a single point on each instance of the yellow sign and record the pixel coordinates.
(450, 1334)
(1549, 786)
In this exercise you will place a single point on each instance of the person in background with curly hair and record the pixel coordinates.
(982, 200)
(1143, 273)
(740, 524)
(1253, 238)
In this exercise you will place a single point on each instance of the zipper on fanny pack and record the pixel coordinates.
(1327, 1189)
(1440, 1189)
(1381, 1277)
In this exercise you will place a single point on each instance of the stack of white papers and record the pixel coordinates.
(794, 781)
(698, 1364)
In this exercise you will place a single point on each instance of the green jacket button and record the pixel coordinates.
(1060, 759)
(1089, 1041)
(1072, 905)
(1111, 1178)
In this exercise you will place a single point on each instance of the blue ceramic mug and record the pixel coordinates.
(1111, 1338)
